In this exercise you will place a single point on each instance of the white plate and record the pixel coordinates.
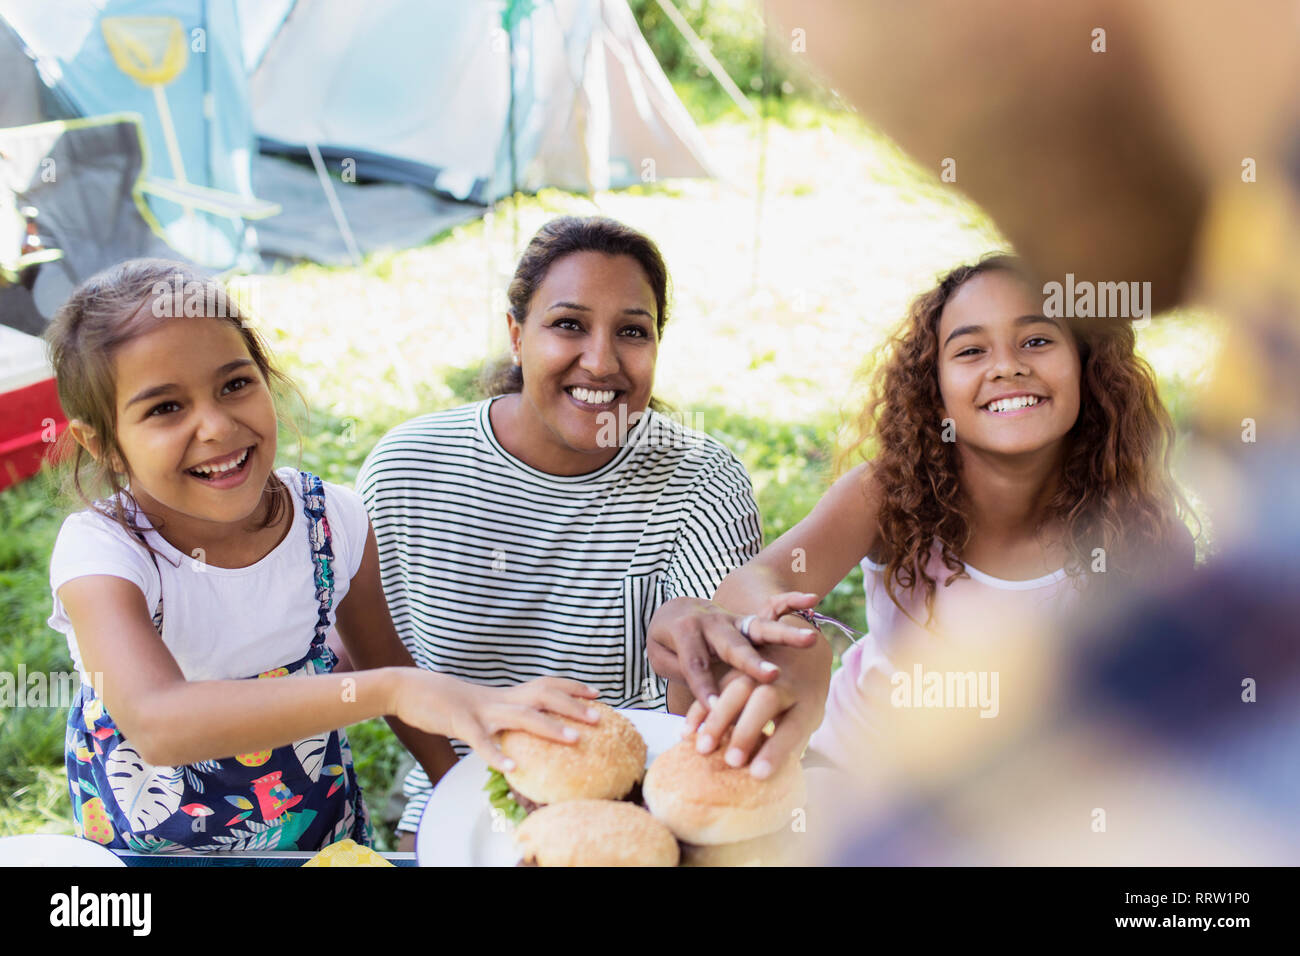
(49, 849)
(456, 828)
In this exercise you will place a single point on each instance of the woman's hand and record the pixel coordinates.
(687, 634)
(438, 704)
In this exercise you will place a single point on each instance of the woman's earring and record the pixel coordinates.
(516, 358)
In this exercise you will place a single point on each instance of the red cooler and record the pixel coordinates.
(30, 415)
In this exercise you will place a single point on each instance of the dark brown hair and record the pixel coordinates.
(1116, 489)
(103, 313)
(562, 237)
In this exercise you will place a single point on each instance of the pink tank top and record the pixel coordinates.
(972, 609)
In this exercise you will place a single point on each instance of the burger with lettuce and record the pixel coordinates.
(606, 763)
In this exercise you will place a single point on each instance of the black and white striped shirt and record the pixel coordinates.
(499, 573)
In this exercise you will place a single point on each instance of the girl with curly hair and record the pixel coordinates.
(1016, 461)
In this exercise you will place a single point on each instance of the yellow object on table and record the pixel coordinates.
(347, 853)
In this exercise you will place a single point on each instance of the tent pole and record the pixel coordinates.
(760, 184)
(209, 111)
(706, 56)
(510, 127)
(209, 117)
(335, 207)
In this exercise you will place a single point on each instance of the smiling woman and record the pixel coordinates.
(536, 532)
(590, 337)
(588, 305)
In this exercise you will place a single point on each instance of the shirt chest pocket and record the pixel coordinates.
(642, 595)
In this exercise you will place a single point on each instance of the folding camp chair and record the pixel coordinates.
(153, 52)
(20, 257)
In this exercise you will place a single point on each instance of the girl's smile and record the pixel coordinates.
(197, 426)
(224, 471)
(1014, 403)
(1009, 377)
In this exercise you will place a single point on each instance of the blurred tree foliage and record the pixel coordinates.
(733, 31)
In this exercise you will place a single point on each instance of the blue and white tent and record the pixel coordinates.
(420, 90)
(189, 89)
(416, 115)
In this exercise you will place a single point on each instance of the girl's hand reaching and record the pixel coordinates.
(745, 708)
(751, 695)
(438, 704)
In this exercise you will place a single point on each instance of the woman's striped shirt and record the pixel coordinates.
(499, 573)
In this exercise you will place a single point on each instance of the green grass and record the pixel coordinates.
(31, 739)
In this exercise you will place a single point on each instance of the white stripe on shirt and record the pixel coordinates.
(498, 573)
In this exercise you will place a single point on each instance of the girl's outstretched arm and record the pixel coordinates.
(171, 721)
(814, 555)
(371, 640)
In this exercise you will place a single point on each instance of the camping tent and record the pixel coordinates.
(129, 126)
(179, 65)
(78, 134)
(420, 91)
(468, 99)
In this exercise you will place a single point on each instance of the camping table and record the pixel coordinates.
(273, 858)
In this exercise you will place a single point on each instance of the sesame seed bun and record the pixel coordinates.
(595, 833)
(605, 764)
(705, 802)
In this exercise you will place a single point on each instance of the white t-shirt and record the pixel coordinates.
(972, 611)
(498, 573)
(219, 623)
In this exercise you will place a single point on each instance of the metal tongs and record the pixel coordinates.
(816, 619)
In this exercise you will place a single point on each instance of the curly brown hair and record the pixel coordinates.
(1116, 489)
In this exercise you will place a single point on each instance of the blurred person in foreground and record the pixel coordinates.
(1152, 141)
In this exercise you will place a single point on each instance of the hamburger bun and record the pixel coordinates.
(705, 802)
(607, 761)
(595, 833)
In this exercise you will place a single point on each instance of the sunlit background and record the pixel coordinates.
(787, 269)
